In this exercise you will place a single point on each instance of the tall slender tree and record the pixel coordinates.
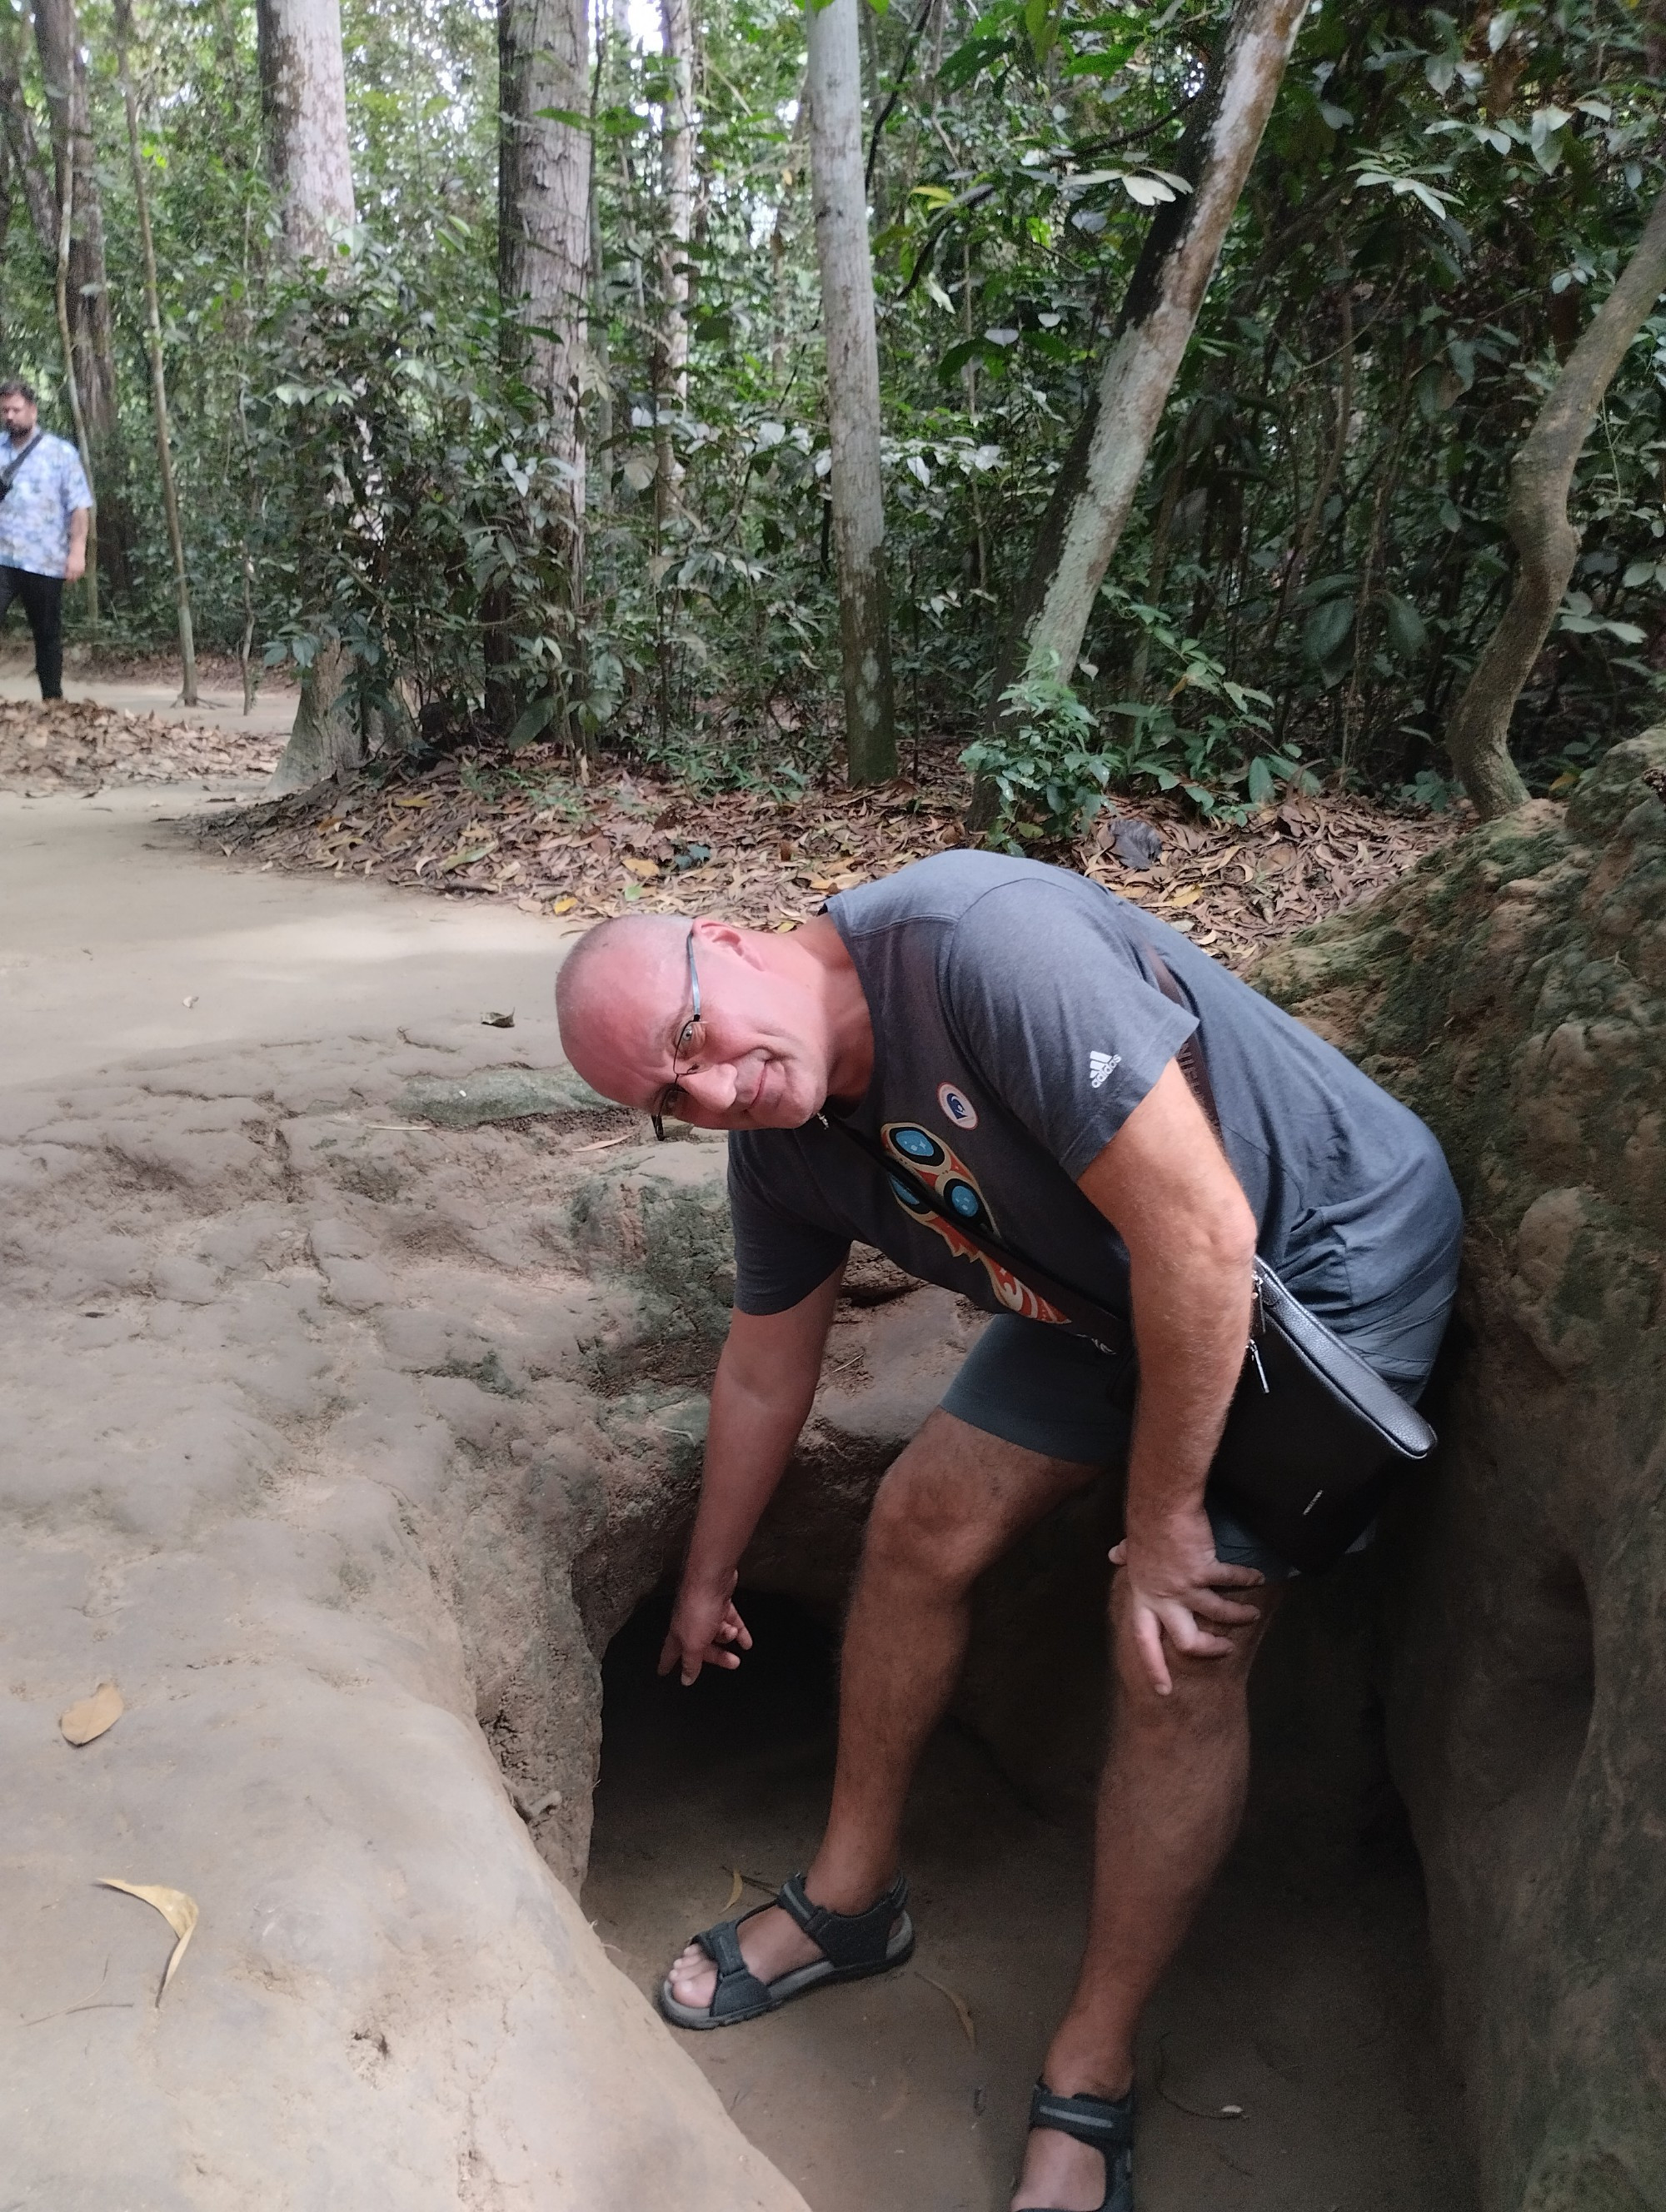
(153, 324)
(542, 268)
(678, 144)
(303, 97)
(842, 250)
(1101, 470)
(86, 284)
(1546, 543)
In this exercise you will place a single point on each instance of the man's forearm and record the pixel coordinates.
(78, 522)
(1191, 1319)
(748, 1443)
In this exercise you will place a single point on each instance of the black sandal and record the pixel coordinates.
(1104, 2125)
(854, 1945)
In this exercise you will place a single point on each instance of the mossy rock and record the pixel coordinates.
(1513, 990)
(506, 1094)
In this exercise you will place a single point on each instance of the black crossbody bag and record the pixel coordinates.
(1313, 1437)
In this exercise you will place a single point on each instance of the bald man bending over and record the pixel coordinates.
(998, 1028)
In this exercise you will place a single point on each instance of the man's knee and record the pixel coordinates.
(1203, 1687)
(920, 1527)
(956, 1499)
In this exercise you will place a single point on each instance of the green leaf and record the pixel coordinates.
(1262, 785)
(1409, 635)
(533, 723)
(1327, 629)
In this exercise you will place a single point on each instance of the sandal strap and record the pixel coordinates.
(738, 1988)
(1101, 2122)
(846, 1939)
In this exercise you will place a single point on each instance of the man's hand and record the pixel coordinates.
(76, 566)
(1176, 1585)
(706, 1631)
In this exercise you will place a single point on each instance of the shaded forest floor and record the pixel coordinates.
(532, 833)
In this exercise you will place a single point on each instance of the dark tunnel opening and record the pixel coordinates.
(1303, 1997)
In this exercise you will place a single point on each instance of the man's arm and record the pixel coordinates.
(75, 568)
(760, 1398)
(1167, 1187)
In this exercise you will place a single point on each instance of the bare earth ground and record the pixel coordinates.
(1304, 1996)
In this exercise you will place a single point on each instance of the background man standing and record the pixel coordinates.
(44, 509)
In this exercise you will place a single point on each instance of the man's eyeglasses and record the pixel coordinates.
(670, 1096)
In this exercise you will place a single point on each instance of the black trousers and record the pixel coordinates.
(43, 603)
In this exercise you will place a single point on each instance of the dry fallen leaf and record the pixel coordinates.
(962, 2010)
(736, 1886)
(91, 1717)
(176, 1908)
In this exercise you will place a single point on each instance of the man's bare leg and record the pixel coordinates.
(1169, 1803)
(954, 1501)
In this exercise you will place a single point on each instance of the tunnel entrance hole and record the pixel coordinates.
(1303, 1997)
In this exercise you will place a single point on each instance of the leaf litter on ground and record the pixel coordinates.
(89, 1718)
(629, 843)
(76, 744)
(178, 1910)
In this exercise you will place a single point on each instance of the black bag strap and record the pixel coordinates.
(8, 474)
(1111, 1330)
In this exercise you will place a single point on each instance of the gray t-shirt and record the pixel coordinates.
(1017, 1024)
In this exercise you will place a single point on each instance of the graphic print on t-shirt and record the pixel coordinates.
(933, 1165)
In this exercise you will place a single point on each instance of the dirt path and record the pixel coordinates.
(1304, 1996)
(220, 705)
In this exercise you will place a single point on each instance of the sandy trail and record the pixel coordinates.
(1304, 1996)
(220, 705)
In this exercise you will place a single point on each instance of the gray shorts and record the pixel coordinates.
(1050, 1390)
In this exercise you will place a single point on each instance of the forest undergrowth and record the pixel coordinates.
(768, 859)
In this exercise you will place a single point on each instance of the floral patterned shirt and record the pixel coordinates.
(35, 515)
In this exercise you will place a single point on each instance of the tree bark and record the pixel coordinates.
(21, 143)
(153, 317)
(78, 412)
(1101, 470)
(1546, 543)
(543, 272)
(309, 161)
(75, 162)
(835, 84)
(303, 102)
(676, 152)
(544, 208)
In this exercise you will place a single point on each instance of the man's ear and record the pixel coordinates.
(724, 936)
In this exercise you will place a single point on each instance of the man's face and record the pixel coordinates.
(758, 1058)
(18, 414)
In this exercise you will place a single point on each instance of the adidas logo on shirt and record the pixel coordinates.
(1101, 1065)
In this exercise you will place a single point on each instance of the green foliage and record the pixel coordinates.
(1317, 553)
(1047, 767)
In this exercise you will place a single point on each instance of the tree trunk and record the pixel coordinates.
(303, 101)
(21, 144)
(78, 412)
(1101, 470)
(543, 256)
(835, 83)
(153, 316)
(676, 149)
(74, 161)
(1546, 543)
(309, 162)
